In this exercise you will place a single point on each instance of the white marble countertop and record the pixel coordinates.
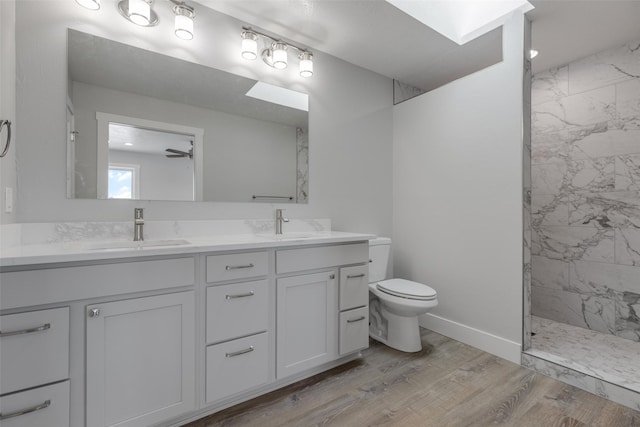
(109, 249)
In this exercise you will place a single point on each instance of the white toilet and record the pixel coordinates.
(395, 304)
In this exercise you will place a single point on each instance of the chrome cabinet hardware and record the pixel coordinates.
(359, 319)
(7, 142)
(354, 276)
(39, 407)
(248, 294)
(26, 331)
(238, 353)
(254, 197)
(237, 267)
(94, 312)
(332, 276)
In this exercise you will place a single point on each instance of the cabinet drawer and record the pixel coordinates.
(237, 366)
(51, 285)
(354, 287)
(237, 310)
(34, 349)
(354, 330)
(236, 266)
(39, 407)
(289, 260)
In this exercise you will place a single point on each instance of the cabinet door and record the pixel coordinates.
(307, 311)
(140, 360)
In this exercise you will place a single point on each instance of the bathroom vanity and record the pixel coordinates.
(166, 334)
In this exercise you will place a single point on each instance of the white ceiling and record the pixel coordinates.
(375, 35)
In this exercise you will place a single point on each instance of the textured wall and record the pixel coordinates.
(586, 192)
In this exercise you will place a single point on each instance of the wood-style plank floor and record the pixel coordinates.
(446, 384)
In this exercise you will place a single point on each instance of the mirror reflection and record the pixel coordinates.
(143, 125)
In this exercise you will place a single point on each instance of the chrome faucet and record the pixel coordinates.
(138, 224)
(279, 220)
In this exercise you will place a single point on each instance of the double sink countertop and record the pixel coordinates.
(105, 249)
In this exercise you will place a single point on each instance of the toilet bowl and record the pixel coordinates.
(395, 304)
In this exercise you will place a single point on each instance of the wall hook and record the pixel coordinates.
(7, 143)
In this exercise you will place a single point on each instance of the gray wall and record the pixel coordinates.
(7, 103)
(350, 121)
(458, 191)
(586, 192)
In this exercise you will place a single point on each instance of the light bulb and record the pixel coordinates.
(89, 4)
(183, 23)
(280, 55)
(249, 45)
(306, 64)
(139, 12)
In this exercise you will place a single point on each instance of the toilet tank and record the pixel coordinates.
(379, 259)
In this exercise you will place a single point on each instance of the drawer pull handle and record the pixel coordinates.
(238, 353)
(39, 407)
(26, 331)
(354, 276)
(237, 267)
(248, 294)
(359, 319)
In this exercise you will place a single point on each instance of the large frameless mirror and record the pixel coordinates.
(143, 125)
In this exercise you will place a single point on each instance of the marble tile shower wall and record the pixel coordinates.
(585, 200)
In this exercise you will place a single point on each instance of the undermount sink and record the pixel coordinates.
(129, 244)
(288, 236)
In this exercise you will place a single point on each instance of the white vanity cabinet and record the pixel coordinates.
(140, 360)
(159, 340)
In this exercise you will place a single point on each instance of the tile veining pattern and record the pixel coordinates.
(585, 200)
(599, 355)
(302, 166)
(526, 193)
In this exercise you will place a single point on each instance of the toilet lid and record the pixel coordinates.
(407, 289)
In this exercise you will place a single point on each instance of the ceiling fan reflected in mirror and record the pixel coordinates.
(175, 153)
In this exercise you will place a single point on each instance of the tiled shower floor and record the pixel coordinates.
(612, 359)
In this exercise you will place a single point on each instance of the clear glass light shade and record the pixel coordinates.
(89, 4)
(249, 45)
(279, 56)
(306, 64)
(139, 12)
(184, 27)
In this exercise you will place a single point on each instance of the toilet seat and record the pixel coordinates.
(407, 289)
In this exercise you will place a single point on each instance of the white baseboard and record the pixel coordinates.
(490, 343)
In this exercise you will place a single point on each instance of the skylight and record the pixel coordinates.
(461, 20)
(280, 95)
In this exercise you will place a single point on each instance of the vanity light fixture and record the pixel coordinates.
(89, 4)
(275, 55)
(184, 20)
(139, 12)
(533, 53)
